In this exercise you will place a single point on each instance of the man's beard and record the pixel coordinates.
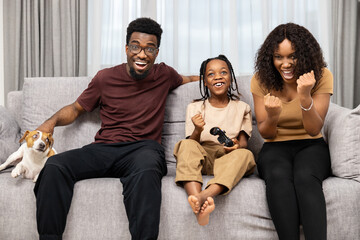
(138, 76)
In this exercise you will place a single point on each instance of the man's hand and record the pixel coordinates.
(63, 117)
(48, 127)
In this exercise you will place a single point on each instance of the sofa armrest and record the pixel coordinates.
(9, 134)
(342, 133)
(14, 104)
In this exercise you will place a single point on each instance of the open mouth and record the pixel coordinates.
(140, 65)
(288, 74)
(219, 84)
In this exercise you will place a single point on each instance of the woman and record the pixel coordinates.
(291, 90)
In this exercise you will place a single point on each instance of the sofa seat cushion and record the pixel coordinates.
(243, 214)
(343, 208)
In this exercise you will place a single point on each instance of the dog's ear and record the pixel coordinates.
(23, 137)
(51, 140)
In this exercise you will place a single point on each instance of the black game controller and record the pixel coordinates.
(222, 136)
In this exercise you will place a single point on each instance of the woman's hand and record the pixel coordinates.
(305, 83)
(267, 111)
(273, 105)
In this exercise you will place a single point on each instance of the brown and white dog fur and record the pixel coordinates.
(32, 155)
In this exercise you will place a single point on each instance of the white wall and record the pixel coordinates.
(2, 87)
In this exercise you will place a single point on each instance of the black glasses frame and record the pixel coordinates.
(136, 49)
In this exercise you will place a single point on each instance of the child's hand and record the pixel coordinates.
(234, 147)
(198, 122)
(273, 105)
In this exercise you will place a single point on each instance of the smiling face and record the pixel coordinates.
(217, 78)
(285, 61)
(139, 65)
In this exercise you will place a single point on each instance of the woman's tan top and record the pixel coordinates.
(290, 125)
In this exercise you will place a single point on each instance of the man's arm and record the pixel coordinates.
(187, 79)
(64, 116)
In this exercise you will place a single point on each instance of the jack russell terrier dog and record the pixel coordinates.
(32, 155)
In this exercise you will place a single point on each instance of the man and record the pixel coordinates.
(131, 97)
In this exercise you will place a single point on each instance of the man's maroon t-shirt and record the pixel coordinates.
(130, 109)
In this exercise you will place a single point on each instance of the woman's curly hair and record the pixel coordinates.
(307, 53)
(204, 91)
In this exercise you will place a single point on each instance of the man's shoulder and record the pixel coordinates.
(109, 70)
(107, 74)
(163, 68)
(164, 72)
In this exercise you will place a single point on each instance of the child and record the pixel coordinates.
(201, 153)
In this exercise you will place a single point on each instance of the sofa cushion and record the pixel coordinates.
(42, 97)
(9, 134)
(342, 132)
(97, 211)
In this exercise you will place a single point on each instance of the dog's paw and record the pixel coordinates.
(15, 173)
(35, 178)
(2, 167)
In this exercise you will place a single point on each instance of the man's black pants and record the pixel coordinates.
(293, 172)
(140, 166)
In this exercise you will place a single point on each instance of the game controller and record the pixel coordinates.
(222, 136)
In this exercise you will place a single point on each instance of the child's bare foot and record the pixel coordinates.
(204, 215)
(194, 203)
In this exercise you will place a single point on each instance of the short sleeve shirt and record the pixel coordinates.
(233, 119)
(290, 125)
(130, 109)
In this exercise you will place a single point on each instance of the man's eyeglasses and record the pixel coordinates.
(136, 49)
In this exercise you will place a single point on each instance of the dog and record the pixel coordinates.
(32, 155)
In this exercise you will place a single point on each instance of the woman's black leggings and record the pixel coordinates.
(293, 172)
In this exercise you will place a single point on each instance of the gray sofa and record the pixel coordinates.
(97, 210)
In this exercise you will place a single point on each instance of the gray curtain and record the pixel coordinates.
(357, 60)
(344, 60)
(44, 38)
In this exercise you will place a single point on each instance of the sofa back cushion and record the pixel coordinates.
(42, 97)
(342, 132)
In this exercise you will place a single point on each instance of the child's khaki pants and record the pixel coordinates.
(194, 159)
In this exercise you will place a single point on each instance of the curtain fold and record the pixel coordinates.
(44, 38)
(357, 60)
(196, 30)
(50, 37)
(344, 40)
